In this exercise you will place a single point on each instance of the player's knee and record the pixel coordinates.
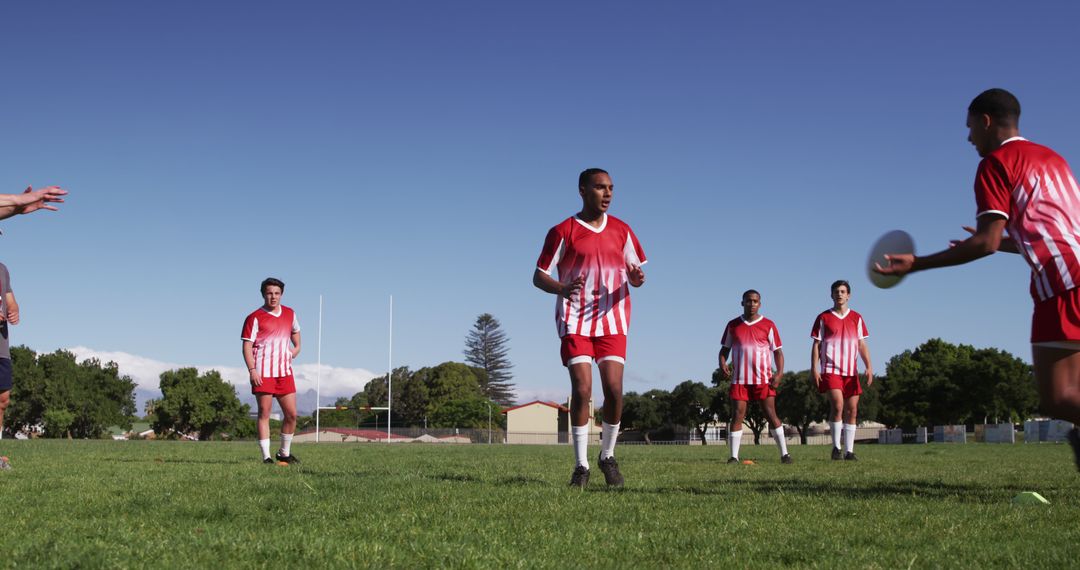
(288, 417)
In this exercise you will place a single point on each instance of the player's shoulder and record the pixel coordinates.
(564, 226)
(254, 314)
(856, 314)
(768, 322)
(614, 223)
(287, 310)
(1021, 149)
(735, 322)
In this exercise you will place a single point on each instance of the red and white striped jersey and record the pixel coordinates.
(1033, 187)
(839, 337)
(603, 256)
(270, 336)
(752, 344)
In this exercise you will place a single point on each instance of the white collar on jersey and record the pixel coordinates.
(277, 314)
(753, 322)
(1009, 140)
(603, 224)
(838, 315)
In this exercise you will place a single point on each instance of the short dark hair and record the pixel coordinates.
(271, 281)
(999, 104)
(587, 174)
(749, 292)
(838, 283)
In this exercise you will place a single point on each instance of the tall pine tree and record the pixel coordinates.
(485, 348)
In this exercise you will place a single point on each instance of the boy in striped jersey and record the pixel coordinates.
(839, 339)
(271, 340)
(754, 345)
(1030, 191)
(598, 258)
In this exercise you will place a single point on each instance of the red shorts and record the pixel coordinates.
(1057, 318)
(279, 386)
(577, 348)
(751, 392)
(849, 385)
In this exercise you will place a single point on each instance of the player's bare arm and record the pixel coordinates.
(549, 284)
(249, 360)
(12, 315)
(724, 352)
(1007, 245)
(985, 241)
(864, 353)
(295, 337)
(30, 201)
(815, 362)
(778, 358)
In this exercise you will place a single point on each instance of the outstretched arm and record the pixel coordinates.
(1006, 245)
(30, 200)
(985, 240)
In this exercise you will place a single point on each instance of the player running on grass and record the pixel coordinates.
(267, 335)
(598, 258)
(839, 340)
(1029, 190)
(754, 345)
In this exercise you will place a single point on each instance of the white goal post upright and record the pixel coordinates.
(389, 376)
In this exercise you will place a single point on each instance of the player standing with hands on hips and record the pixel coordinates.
(839, 340)
(1029, 190)
(598, 259)
(754, 345)
(271, 340)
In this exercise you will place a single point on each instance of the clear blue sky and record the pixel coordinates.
(423, 149)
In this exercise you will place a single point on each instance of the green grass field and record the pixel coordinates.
(92, 504)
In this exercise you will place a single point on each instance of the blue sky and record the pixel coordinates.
(423, 149)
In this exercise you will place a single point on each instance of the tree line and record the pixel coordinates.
(937, 383)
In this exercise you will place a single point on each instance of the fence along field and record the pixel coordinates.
(170, 504)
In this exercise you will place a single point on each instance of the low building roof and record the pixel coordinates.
(534, 402)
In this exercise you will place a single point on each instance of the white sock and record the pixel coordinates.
(849, 438)
(834, 427)
(286, 444)
(778, 435)
(581, 444)
(264, 445)
(736, 441)
(609, 434)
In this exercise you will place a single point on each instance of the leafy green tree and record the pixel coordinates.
(201, 404)
(941, 383)
(58, 423)
(486, 348)
(95, 396)
(691, 406)
(467, 413)
(375, 394)
(646, 412)
(798, 402)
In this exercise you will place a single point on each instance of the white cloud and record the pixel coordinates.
(336, 381)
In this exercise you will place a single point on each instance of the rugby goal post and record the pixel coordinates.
(389, 377)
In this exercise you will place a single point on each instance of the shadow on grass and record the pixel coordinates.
(183, 460)
(915, 488)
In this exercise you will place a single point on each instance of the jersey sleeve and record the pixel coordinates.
(815, 331)
(251, 328)
(863, 331)
(725, 341)
(554, 247)
(774, 338)
(632, 251)
(295, 323)
(992, 191)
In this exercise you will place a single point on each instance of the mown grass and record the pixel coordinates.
(97, 504)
